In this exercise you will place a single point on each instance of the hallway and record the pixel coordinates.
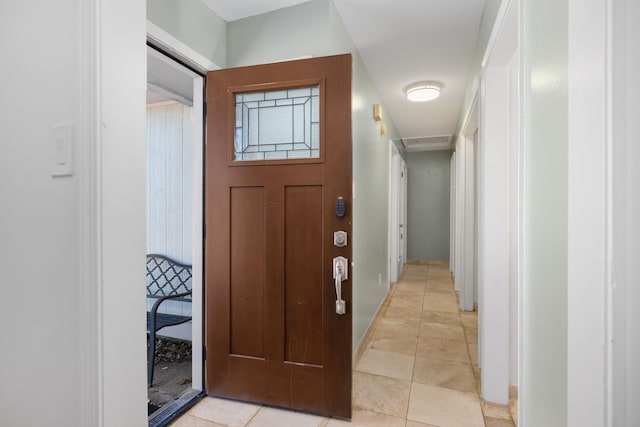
(418, 368)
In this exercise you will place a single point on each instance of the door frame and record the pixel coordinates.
(499, 214)
(464, 270)
(172, 47)
(397, 212)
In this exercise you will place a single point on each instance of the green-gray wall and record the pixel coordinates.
(428, 195)
(545, 53)
(315, 28)
(283, 34)
(194, 24)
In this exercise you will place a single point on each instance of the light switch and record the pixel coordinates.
(62, 158)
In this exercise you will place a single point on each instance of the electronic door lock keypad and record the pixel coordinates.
(341, 208)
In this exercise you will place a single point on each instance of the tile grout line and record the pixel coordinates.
(254, 415)
(406, 415)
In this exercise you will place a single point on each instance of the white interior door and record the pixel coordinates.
(397, 214)
(402, 206)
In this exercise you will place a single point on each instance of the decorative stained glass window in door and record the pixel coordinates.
(276, 125)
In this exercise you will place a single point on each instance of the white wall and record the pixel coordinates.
(515, 191)
(543, 389)
(73, 347)
(625, 316)
(493, 234)
(588, 255)
(121, 211)
(40, 306)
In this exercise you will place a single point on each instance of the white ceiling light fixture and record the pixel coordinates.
(423, 91)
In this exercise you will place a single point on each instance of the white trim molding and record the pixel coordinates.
(172, 45)
(89, 242)
(589, 221)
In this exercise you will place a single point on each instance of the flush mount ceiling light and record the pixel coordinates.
(423, 91)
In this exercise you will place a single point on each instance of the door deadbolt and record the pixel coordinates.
(340, 239)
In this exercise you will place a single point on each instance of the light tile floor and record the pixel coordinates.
(418, 368)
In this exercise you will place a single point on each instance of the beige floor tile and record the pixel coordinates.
(409, 303)
(513, 403)
(493, 410)
(439, 275)
(441, 317)
(438, 289)
(407, 294)
(269, 417)
(413, 269)
(391, 342)
(469, 319)
(417, 280)
(457, 376)
(473, 352)
(440, 283)
(449, 291)
(363, 418)
(410, 276)
(476, 371)
(453, 351)
(386, 363)
(441, 331)
(381, 394)
(497, 422)
(416, 268)
(471, 335)
(409, 289)
(187, 420)
(399, 327)
(417, 424)
(444, 407)
(411, 286)
(226, 412)
(401, 314)
(412, 266)
(440, 302)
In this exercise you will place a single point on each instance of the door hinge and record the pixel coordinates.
(204, 108)
(204, 353)
(204, 232)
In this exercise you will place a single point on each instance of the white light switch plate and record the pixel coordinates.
(62, 153)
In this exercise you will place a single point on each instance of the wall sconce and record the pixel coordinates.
(383, 129)
(377, 112)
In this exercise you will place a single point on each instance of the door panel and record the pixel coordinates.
(247, 271)
(272, 332)
(303, 274)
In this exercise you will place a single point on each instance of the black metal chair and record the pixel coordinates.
(166, 280)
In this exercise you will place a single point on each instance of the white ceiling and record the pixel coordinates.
(402, 42)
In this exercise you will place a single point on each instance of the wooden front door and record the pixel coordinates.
(278, 157)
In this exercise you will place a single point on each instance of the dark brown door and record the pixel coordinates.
(278, 157)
